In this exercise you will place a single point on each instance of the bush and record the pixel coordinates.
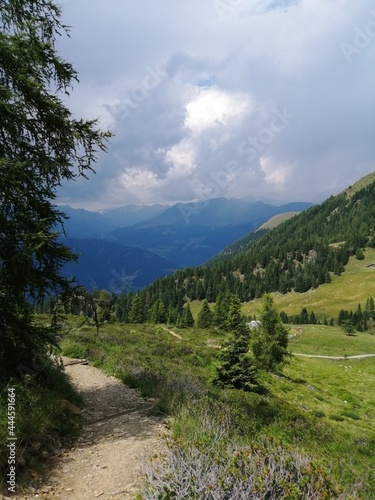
(40, 416)
(170, 393)
(212, 466)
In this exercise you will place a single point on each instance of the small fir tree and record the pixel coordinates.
(158, 312)
(187, 319)
(270, 343)
(236, 367)
(205, 316)
(137, 310)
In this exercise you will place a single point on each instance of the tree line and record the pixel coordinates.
(300, 254)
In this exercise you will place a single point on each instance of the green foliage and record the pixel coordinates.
(221, 310)
(359, 255)
(137, 313)
(187, 319)
(205, 316)
(204, 460)
(348, 327)
(270, 342)
(234, 321)
(158, 312)
(40, 416)
(299, 255)
(42, 146)
(236, 367)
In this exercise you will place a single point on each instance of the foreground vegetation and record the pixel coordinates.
(346, 291)
(319, 412)
(46, 416)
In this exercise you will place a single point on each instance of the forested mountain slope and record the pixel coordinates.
(297, 255)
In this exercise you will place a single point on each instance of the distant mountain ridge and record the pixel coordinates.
(298, 255)
(191, 234)
(104, 265)
(171, 237)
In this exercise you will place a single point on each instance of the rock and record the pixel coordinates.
(67, 405)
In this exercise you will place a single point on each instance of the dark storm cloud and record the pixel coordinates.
(223, 98)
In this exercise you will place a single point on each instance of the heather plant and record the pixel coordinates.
(212, 465)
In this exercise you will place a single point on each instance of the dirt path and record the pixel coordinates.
(117, 435)
(338, 358)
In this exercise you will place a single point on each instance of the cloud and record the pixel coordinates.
(188, 89)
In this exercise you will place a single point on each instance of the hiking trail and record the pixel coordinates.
(117, 435)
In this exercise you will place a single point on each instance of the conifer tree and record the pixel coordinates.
(158, 312)
(187, 319)
(220, 310)
(205, 316)
(236, 366)
(234, 320)
(42, 145)
(270, 343)
(137, 310)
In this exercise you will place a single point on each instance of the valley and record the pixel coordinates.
(132, 246)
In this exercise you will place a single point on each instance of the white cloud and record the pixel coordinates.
(216, 83)
(276, 174)
(213, 108)
(209, 117)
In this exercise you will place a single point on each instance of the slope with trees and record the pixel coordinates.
(300, 254)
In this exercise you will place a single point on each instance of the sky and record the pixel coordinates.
(267, 100)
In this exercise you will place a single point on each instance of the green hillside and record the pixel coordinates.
(365, 181)
(318, 407)
(299, 255)
(276, 220)
(352, 287)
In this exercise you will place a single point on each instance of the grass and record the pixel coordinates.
(362, 183)
(346, 291)
(40, 420)
(330, 341)
(276, 220)
(320, 408)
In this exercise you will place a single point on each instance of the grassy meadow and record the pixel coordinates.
(346, 291)
(323, 409)
(319, 407)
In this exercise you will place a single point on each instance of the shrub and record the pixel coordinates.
(211, 466)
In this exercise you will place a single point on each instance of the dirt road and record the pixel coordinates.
(117, 435)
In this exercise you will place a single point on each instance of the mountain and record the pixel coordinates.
(85, 224)
(116, 268)
(191, 234)
(163, 239)
(300, 254)
(131, 214)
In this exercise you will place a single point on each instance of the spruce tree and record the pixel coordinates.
(42, 146)
(158, 312)
(137, 310)
(187, 319)
(270, 342)
(205, 316)
(236, 367)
